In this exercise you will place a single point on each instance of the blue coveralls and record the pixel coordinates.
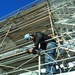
(50, 68)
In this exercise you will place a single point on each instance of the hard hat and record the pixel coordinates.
(27, 37)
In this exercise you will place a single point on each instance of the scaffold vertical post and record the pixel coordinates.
(50, 17)
(39, 58)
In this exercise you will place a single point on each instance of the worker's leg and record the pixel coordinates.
(50, 68)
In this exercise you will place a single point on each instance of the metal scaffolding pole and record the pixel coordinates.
(37, 65)
(39, 58)
(50, 17)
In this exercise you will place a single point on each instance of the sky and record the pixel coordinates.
(8, 6)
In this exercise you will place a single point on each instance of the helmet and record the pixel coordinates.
(27, 37)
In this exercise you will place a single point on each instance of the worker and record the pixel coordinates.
(39, 38)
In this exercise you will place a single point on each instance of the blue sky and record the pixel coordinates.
(8, 6)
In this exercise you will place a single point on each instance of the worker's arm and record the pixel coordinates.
(37, 41)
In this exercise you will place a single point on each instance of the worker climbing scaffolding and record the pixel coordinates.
(39, 38)
(47, 18)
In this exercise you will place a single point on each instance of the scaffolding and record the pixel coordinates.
(52, 17)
